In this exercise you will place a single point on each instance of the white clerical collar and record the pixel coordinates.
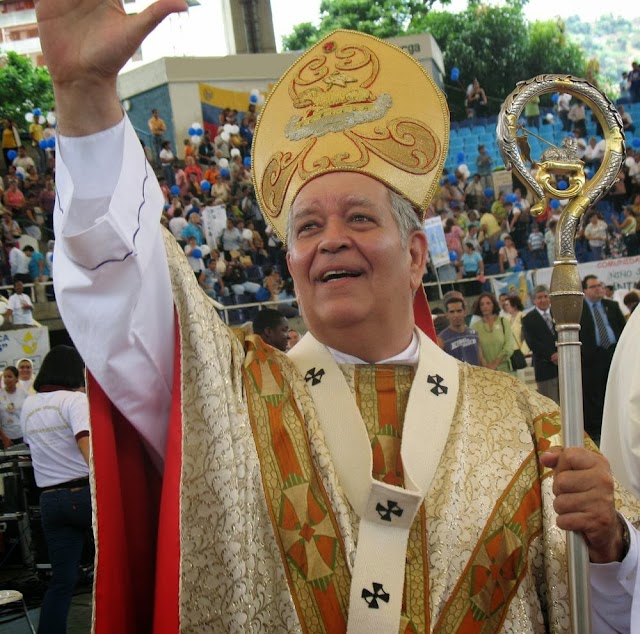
(409, 356)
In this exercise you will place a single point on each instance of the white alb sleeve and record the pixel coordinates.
(615, 592)
(111, 276)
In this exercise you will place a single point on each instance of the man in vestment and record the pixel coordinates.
(366, 481)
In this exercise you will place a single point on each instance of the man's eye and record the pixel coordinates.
(360, 218)
(307, 226)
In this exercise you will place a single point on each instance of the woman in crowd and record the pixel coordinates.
(507, 255)
(496, 340)
(25, 375)
(514, 308)
(55, 422)
(12, 397)
(628, 228)
(453, 235)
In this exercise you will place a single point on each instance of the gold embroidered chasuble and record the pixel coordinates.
(268, 538)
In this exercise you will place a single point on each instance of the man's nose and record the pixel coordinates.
(335, 236)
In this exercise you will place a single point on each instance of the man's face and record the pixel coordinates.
(455, 314)
(541, 301)
(19, 287)
(346, 257)
(195, 218)
(594, 290)
(278, 336)
(293, 337)
(503, 298)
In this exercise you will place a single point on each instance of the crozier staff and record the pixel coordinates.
(258, 481)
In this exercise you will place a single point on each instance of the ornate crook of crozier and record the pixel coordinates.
(562, 162)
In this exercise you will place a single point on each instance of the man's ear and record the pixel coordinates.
(418, 250)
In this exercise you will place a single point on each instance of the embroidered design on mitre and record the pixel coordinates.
(350, 103)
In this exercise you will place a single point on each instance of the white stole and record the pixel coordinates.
(386, 512)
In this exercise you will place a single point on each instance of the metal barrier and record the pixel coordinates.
(223, 309)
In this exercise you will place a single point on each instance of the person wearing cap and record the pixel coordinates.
(317, 490)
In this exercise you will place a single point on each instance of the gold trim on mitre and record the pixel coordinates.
(352, 102)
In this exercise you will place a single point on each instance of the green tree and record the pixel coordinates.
(551, 51)
(382, 18)
(23, 87)
(303, 36)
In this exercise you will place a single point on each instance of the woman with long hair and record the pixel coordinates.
(514, 308)
(496, 340)
(55, 424)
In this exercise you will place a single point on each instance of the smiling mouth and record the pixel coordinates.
(331, 276)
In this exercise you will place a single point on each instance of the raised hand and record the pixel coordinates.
(85, 44)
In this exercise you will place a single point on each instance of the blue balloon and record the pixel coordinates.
(488, 192)
(555, 97)
(37, 112)
(500, 244)
(253, 99)
(175, 190)
(455, 73)
(452, 179)
(247, 161)
(636, 143)
(43, 143)
(51, 142)
(205, 185)
(562, 185)
(199, 132)
(196, 253)
(554, 204)
(224, 173)
(11, 154)
(453, 256)
(191, 131)
(460, 157)
(511, 198)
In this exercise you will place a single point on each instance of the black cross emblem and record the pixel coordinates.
(313, 376)
(372, 597)
(438, 387)
(386, 511)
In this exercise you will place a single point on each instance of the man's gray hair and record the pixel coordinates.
(541, 288)
(404, 213)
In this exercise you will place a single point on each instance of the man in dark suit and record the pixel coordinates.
(540, 334)
(600, 329)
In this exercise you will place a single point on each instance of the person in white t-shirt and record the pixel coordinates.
(12, 397)
(55, 424)
(20, 309)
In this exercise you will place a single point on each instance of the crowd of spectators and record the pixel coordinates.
(486, 231)
(247, 263)
(27, 197)
(491, 232)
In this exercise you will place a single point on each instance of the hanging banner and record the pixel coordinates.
(519, 283)
(21, 343)
(437, 244)
(622, 273)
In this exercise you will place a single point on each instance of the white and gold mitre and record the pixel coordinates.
(350, 103)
